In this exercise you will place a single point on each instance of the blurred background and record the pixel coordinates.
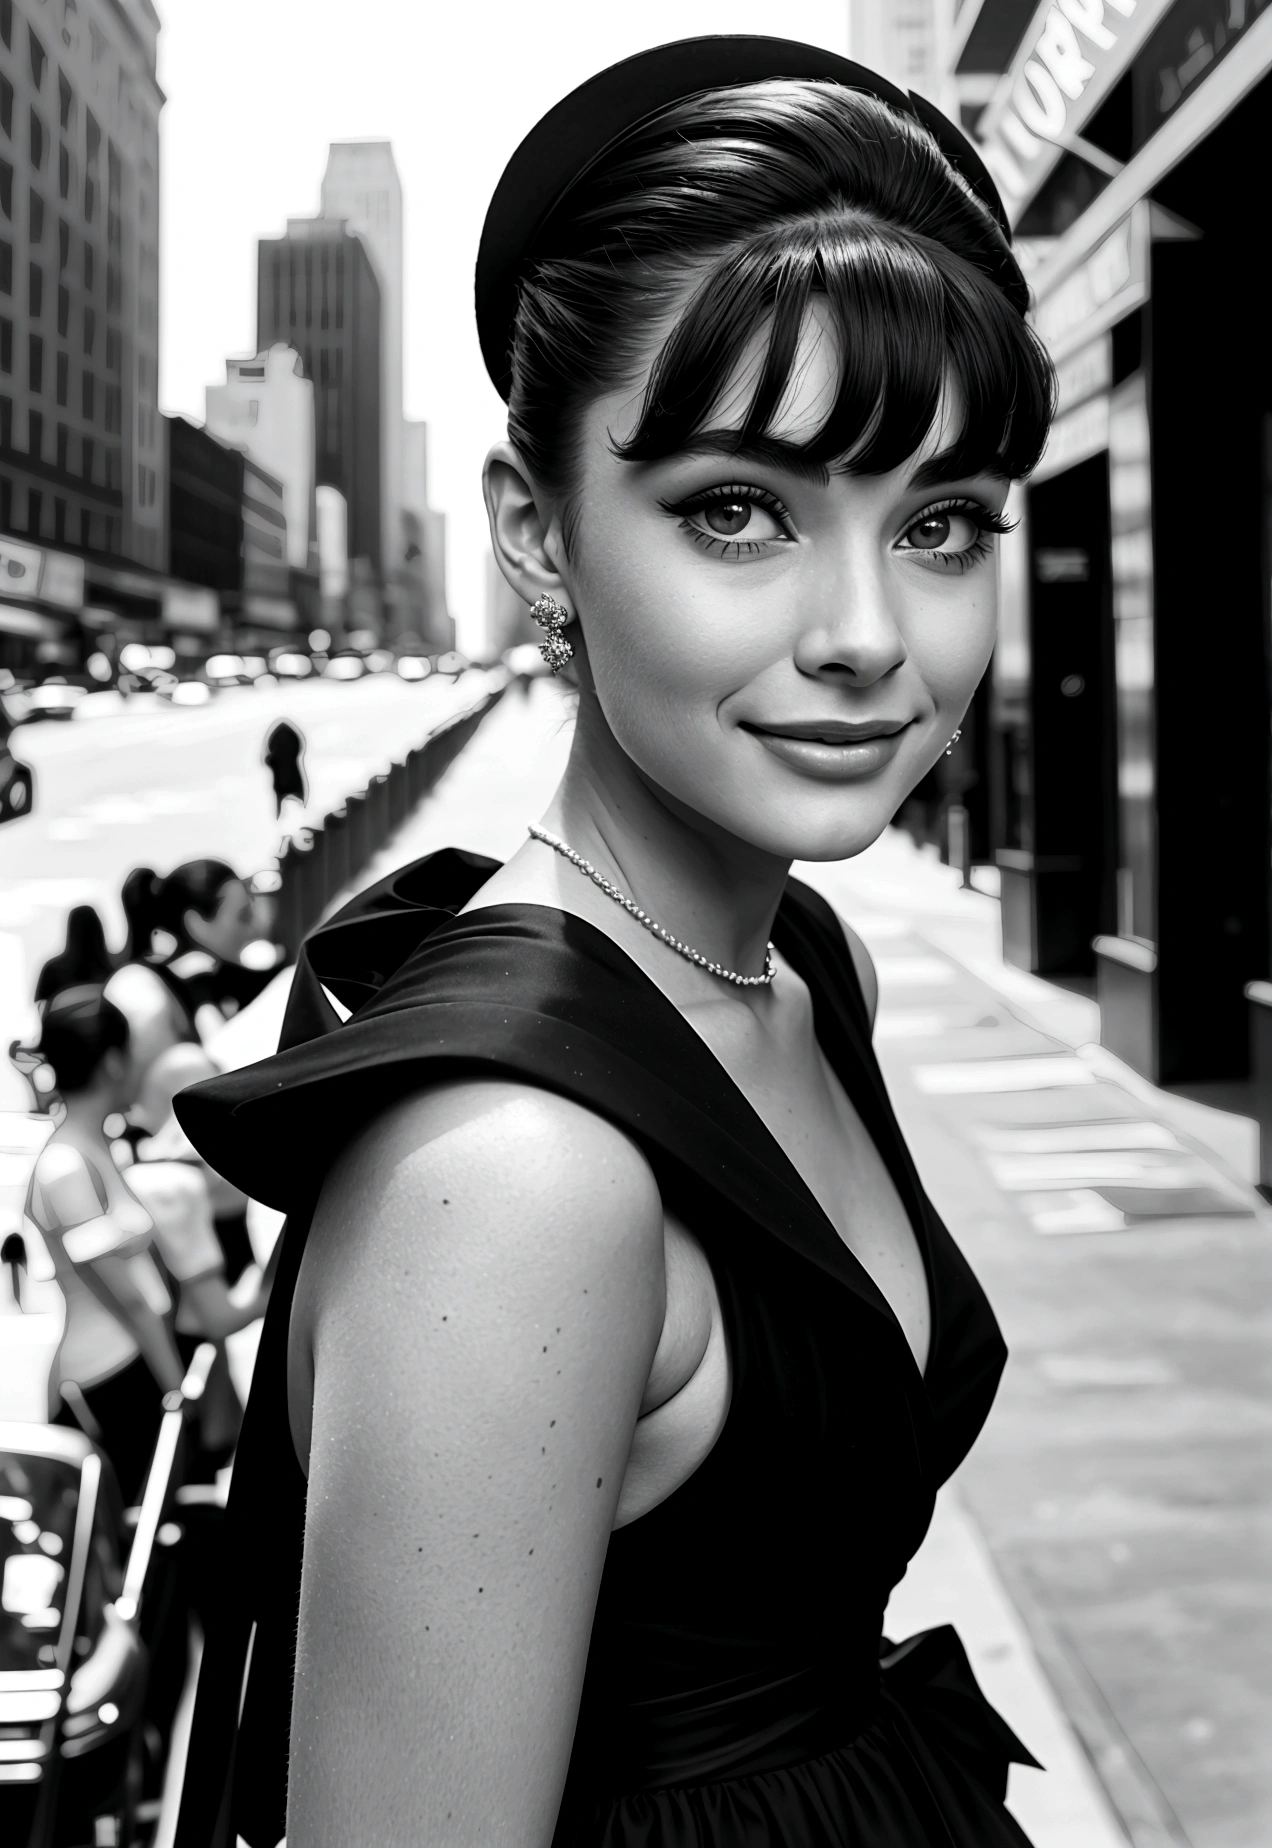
(254, 652)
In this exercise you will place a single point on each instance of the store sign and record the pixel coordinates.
(188, 606)
(1069, 59)
(1112, 281)
(1195, 36)
(271, 612)
(32, 574)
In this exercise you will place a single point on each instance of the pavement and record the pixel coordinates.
(1104, 1550)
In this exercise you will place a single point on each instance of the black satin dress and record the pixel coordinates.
(738, 1693)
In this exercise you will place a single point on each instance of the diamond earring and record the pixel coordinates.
(552, 616)
(949, 749)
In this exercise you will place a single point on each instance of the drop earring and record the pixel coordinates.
(958, 733)
(552, 616)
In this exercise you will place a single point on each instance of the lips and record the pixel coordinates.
(832, 731)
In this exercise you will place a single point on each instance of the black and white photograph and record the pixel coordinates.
(635, 924)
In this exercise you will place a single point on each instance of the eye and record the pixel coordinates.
(954, 536)
(733, 521)
(943, 532)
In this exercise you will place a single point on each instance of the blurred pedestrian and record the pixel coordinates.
(117, 1355)
(83, 958)
(17, 786)
(284, 754)
(188, 932)
(165, 1140)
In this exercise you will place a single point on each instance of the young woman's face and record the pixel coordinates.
(231, 927)
(784, 651)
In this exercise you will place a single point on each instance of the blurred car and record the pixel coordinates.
(93, 1629)
(451, 662)
(254, 666)
(344, 664)
(17, 785)
(290, 664)
(414, 667)
(380, 661)
(188, 693)
(54, 699)
(226, 670)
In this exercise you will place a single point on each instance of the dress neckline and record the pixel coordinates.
(825, 1001)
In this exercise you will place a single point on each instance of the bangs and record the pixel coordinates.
(916, 325)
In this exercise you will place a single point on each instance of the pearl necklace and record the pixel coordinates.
(642, 917)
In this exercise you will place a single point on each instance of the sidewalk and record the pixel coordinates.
(1103, 1552)
(1122, 1485)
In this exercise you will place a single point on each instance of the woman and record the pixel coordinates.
(190, 930)
(616, 1353)
(117, 1356)
(83, 958)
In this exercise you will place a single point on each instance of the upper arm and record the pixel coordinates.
(864, 966)
(176, 1197)
(70, 1206)
(484, 1288)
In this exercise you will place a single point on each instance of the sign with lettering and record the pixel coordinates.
(30, 574)
(1112, 281)
(1072, 53)
(189, 606)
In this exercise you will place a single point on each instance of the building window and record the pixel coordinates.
(112, 288)
(38, 58)
(35, 209)
(88, 266)
(6, 189)
(59, 520)
(64, 172)
(6, 503)
(6, 267)
(6, 423)
(92, 137)
(66, 101)
(112, 468)
(37, 142)
(90, 330)
(6, 107)
(111, 409)
(86, 529)
(6, 24)
(63, 310)
(112, 349)
(63, 379)
(35, 512)
(35, 363)
(35, 435)
(35, 291)
(63, 445)
(86, 458)
(6, 346)
(63, 246)
(86, 396)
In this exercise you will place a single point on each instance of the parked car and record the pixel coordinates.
(226, 670)
(414, 667)
(290, 664)
(93, 1631)
(54, 699)
(344, 664)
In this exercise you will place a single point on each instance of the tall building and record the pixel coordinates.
(266, 409)
(1128, 718)
(81, 444)
(317, 293)
(421, 577)
(361, 189)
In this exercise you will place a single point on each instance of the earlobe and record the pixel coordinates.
(524, 530)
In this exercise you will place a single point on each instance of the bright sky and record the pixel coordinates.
(257, 88)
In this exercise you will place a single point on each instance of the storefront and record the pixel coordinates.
(1130, 704)
(41, 596)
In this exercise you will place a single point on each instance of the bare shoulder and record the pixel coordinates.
(484, 1292)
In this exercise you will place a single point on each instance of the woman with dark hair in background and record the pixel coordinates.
(83, 958)
(617, 1353)
(117, 1356)
(190, 930)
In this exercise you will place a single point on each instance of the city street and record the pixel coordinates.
(152, 784)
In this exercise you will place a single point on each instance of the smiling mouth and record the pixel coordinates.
(832, 731)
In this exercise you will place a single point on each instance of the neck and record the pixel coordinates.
(86, 1111)
(700, 882)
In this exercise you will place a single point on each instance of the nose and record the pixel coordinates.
(853, 636)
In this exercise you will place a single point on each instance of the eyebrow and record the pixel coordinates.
(950, 465)
(770, 450)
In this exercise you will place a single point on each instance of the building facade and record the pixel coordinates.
(1127, 743)
(317, 293)
(361, 188)
(81, 443)
(266, 409)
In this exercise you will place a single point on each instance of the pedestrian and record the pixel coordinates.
(187, 933)
(117, 1356)
(625, 1352)
(284, 754)
(83, 958)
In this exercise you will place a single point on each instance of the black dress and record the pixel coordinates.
(738, 1691)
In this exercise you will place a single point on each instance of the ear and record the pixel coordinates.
(525, 528)
(195, 928)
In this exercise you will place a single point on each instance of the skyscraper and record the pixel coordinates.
(362, 189)
(317, 292)
(266, 409)
(81, 445)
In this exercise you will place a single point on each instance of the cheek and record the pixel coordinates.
(950, 629)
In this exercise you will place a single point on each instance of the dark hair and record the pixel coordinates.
(759, 196)
(83, 958)
(78, 1028)
(151, 903)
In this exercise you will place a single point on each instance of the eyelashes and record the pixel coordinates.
(736, 538)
